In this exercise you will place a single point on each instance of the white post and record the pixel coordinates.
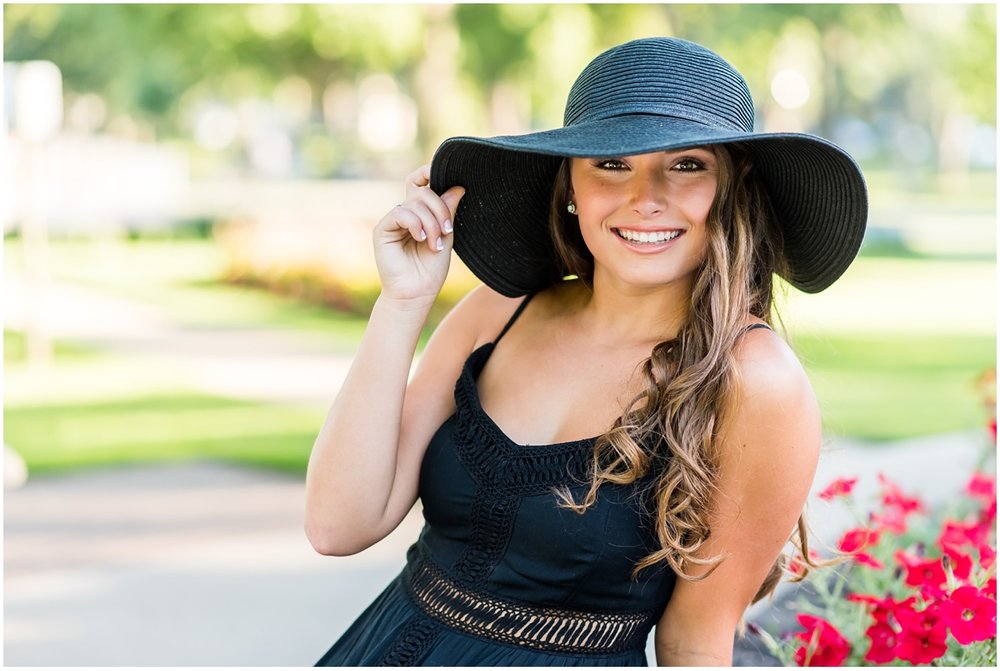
(38, 113)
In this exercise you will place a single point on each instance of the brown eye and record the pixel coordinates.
(688, 165)
(611, 164)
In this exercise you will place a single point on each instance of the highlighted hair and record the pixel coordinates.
(674, 424)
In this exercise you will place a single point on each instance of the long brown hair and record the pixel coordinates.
(672, 427)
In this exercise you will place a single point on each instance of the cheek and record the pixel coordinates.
(589, 235)
(699, 239)
(701, 203)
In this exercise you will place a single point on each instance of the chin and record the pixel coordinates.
(653, 280)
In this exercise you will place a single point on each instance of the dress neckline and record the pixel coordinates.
(484, 351)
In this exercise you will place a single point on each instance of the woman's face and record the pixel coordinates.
(643, 217)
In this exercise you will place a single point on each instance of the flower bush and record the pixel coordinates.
(918, 587)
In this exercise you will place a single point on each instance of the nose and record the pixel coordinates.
(648, 194)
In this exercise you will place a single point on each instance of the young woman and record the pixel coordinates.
(606, 436)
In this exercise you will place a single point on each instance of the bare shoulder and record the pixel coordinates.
(769, 372)
(775, 419)
(429, 399)
(478, 317)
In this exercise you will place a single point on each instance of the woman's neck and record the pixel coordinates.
(617, 314)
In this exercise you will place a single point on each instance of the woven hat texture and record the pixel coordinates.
(651, 94)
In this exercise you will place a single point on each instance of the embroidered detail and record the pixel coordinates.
(499, 465)
(504, 473)
(492, 524)
(540, 628)
(411, 644)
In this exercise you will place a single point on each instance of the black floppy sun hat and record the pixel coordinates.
(647, 95)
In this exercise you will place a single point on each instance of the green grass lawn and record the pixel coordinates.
(890, 387)
(162, 428)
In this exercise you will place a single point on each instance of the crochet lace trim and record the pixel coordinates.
(411, 644)
(540, 628)
(501, 466)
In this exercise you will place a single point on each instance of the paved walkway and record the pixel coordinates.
(176, 565)
(207, 564)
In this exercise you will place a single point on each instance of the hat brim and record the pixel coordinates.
(501, 228)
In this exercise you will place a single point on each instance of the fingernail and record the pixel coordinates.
(423, 235)
(440, 244)
(447, 226)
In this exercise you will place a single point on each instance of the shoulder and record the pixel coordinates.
(775, 416)
(768, 371)
(485, 312)
(478, 317)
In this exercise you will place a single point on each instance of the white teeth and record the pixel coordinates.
(647, 237)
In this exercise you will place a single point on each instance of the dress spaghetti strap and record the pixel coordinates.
(756, 326)
(513, 317)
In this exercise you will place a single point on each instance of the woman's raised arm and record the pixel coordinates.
(362, 473)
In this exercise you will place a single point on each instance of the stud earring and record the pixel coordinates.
(571, 207)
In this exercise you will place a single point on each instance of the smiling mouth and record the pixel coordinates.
(647, 237)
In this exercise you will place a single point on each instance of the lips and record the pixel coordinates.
(654, 237)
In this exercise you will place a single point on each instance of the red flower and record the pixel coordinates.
(797, 565)
(839, 487)
(891, 520)
(893, 497)
(970, 615)
(922, 572)
(956, 534)
(883, 607)
(989, 513)
(865, 559)
(960, 563)
(990, 588)
(987, 556)
(823, 644)
(982, 486)
(856, 540)
(923, 637)
(884, 640)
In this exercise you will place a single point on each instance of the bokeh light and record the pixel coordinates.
(790, 89)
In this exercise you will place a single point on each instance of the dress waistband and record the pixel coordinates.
(541, 628)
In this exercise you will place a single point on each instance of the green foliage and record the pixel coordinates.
(496, 38)
(918, 63)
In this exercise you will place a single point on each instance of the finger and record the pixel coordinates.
(442, 213)
(418, 179)
(451, 198)
(406, 219)
(430, 224)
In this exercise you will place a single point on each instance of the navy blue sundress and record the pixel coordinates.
(501, 575)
